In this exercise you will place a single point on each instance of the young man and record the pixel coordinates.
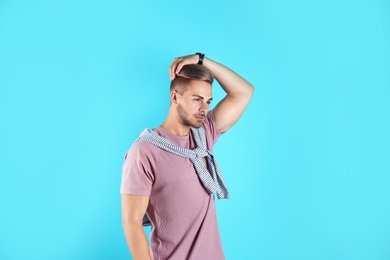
(170, 173)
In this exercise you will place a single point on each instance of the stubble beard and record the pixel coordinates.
(184, 117)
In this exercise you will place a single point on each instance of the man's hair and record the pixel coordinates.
(188, 73)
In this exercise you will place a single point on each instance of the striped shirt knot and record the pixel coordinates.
(211, 180)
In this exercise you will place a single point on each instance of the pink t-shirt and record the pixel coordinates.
(183, 215)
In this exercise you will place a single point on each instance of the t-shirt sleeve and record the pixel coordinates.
(138, 170)
(210, 127)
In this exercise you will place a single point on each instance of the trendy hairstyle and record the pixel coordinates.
(188, 73)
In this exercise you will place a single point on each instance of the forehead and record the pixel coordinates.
(199, 87)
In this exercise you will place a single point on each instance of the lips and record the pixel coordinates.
(200, 117)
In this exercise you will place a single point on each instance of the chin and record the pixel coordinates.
(197, 125)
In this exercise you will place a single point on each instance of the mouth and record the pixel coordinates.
(200, 118)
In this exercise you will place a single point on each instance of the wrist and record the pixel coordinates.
(201, 57)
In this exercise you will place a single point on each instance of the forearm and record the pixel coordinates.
(239, 91)
(137, 241)
(231, 82)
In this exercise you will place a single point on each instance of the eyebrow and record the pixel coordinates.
(201, 97)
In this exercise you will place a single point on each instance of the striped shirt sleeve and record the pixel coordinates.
(138, 170)
(211, 130)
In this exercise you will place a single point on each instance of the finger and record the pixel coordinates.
(189, 59)
(173, 67)
(171, 70)
(179, 67)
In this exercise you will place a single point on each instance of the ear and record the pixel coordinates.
(174, 96)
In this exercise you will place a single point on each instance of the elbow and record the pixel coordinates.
(125, 223)
(245, 92)
(252, 89)
(131, 223)
(249, 90)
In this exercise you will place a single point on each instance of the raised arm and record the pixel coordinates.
(238, 90)
(133, 210)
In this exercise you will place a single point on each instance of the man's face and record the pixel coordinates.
(193, 105)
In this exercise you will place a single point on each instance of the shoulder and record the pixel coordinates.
(142, 146)
(142, 149)
(209, 121)
(210, 127)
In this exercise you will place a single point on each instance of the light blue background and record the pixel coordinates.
(307, 165)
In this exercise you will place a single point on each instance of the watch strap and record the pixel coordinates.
(201, 57)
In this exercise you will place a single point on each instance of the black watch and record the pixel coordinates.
(201, 57)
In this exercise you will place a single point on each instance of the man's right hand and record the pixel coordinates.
(179, 62)
(133, 211)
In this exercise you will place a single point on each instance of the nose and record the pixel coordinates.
(204, 108)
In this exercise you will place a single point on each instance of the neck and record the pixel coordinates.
(174, 125)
